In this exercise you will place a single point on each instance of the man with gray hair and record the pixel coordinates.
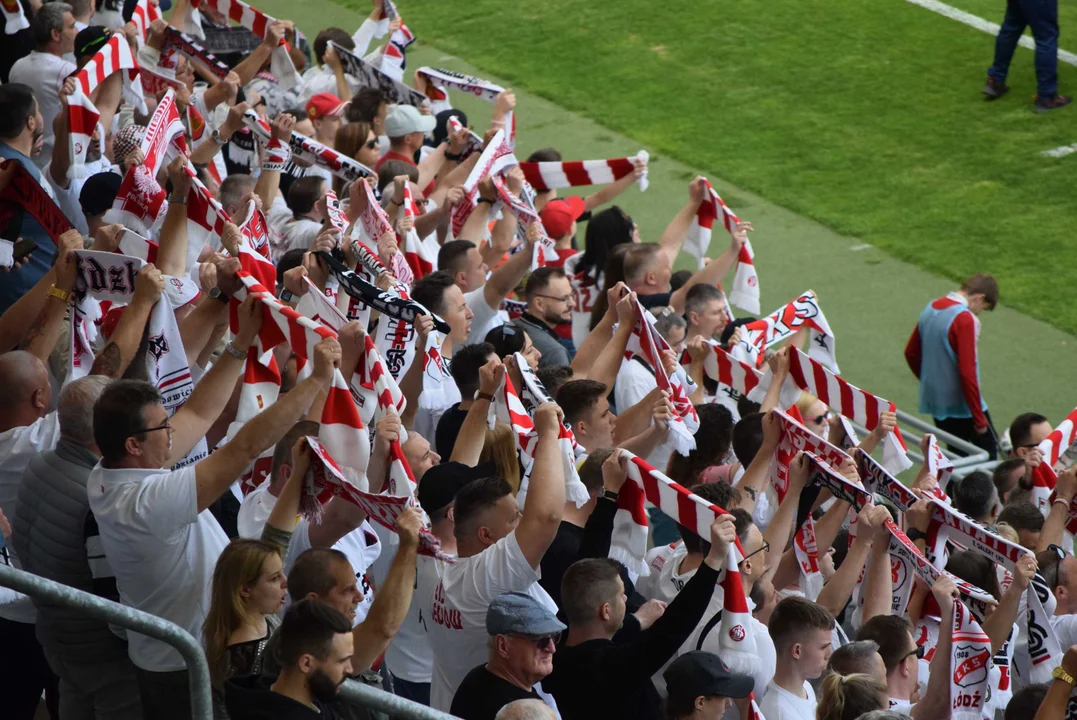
(56, 537)
(860, 656)
(526, 710)
(45, 69)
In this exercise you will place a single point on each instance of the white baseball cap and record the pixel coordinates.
(405, 119)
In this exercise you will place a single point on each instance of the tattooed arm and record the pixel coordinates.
(44, 333)
(126, 338)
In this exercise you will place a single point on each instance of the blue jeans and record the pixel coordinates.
(1041, 16)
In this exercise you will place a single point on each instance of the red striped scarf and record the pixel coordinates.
(496, 157)
(280, 62)
(745, 292)
(803, 312)
(143, 16)
(114, 56)
(310, 150)
(437, 79)
(394, 59)
(545, 176)
(938, 465)
(523, 209)
(19, 190)
(1044, 477)
(421, 253)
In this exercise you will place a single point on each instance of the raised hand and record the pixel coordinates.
(326, 359)
(149, 284)
(250, 321)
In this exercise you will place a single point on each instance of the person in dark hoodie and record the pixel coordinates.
(315, 652)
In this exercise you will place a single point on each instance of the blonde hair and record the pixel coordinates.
(500, 448)
(1007, 532)
(847, 697)
(238, 567)
(804, 402)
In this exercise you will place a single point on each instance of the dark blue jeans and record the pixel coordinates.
(416, 692)
(1041, 16)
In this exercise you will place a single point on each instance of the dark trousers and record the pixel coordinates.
(24, 673)
(1041, 16)
(965, 429)
(165, 695)
(416, 692)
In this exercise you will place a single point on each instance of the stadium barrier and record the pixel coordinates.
(976, 458)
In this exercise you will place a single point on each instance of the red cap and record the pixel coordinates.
(325, 105)
(559, 214)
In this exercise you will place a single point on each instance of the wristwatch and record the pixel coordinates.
(61, 295)
(914, 534)
(455, 157)
(1059, 673)
(610, 495)
(218, 138)
(480, 395)
(216, 294)
(235, 352)
(485, 200)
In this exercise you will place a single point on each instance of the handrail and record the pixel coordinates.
(127, 617)
(393, 705)
(976, 459)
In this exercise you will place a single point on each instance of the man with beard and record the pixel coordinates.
(315, 652)
(549, 303)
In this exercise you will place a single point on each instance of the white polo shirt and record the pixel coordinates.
(458, 611)
(45, 74)
(17, 446)
(161, 548)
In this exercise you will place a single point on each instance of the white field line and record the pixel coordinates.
(858, 248)
(1060, 151)
(986, 26)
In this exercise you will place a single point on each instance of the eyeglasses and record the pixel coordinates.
(765, 548)
(542, 642)
(918, 651)
(564, 299)
(166, 426)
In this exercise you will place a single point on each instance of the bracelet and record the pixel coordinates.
(235, 352)
(61, 295)
(173, 200)
(1060, 501)
(610, 495)
(480, 395)
(455, 157)
(915, 534)
(1060, 673)
(485, 200)
(219, 139)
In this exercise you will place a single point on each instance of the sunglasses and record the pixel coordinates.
(821, 418)
(166, 426)
(919, 652)
(765, 548)
(371, 144)
(542, 642)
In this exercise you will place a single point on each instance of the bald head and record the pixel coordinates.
(526, 710)
(75, 409)
(25, 393)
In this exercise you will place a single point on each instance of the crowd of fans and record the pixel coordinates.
(424, 529)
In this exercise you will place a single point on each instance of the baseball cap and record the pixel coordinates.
(325, 105)
(702, 673)
(439, 485)
(91, 39)
(518, 613)
(559, 214)
(98, 192)
(404, 119)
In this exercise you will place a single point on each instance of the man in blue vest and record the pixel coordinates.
(942, 353)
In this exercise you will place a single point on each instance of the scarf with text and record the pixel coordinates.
(438, 79)
(307, 149)
(553, 175)
(474, 140)
(370, 76)
(83, 115)
(140, 199)
(745, 293)
(782, 324)
(394, 57)
(280, 62)
(523, 209)
(736, 377)
(646, 343)
(496, 157)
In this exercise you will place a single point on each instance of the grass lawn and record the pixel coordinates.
(864, 116)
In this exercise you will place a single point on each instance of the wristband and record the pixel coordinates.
(610, 495)
(278, 155)
(485, 200)
(235, 352)
(455, 157)
(480, 395)
(61, 295)
(914, 534)
(173, 200)
(1060, 501)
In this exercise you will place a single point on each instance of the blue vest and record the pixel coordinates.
(940, 382)
(17, 283)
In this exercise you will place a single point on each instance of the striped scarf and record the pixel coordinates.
(545, 176)
(1044, 477)
(370, 76)
(421, 254)
(304, 148)
(280, 62)
(803, 312)
(745, 292)
(394, 59)
(114, 56)
(436, 81)
(497, 156)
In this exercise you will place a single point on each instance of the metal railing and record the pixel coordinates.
(197, 667)
(975, 459)
(127, 617)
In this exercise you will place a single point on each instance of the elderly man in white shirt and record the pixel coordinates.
(160, 541)
(45, 69)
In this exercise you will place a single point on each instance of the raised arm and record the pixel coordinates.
(284, 512)
(472, 436)
(600, 355)
(1055, 524)
(219, 470)
(878, 583)
(756, 475)
(172, 246)
(615, 188)
(837, 591)
(546, 491)
(715, 270)
(648, 441)
(393, 598)
(936, 700)
(887, 423)
(411, 385)
(41, 337)
(123, 345)
(677, 231)
(999, 625)
(779, 369)
(505, 279)
(269, 181)
(780, 528)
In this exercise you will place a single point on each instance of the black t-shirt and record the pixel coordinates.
(655, 300)
(482, 694)
(448, 429)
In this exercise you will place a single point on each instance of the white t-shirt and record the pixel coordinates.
(161, 548)
(17, 446)
(45, 74)
(254, 511)
(665, 580)
(426, 418)
(486, 318)
(900, 706)
(586, 293)
(634, 381)
(761, 666)
(361, 545)
(458, 611)
(780, 704)
(286, 233)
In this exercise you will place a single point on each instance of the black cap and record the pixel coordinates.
(91, 39)
(700, 673)
(441, 129)
(98, 193)
(439, 485)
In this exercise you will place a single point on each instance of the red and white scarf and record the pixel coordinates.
(309, 150)
(496, 157)
(438, 79)
(796, 438)
(850, 401)
(114, 56)
(745, 292)
(370, 75)
(421, 254)
(14, 17)
(140, 200)
(260, 388)
(803, 312)
(1044, 476)
(280, 62)
(736, 378)
(394, 58)
(144, 14)
(648, 344)
(523, 209)
(205, 218)
(553, 175)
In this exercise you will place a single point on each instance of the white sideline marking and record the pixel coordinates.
(1060, 151)
(986, 26)
(858, 248)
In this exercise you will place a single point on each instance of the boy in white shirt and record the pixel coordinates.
(801, 632)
